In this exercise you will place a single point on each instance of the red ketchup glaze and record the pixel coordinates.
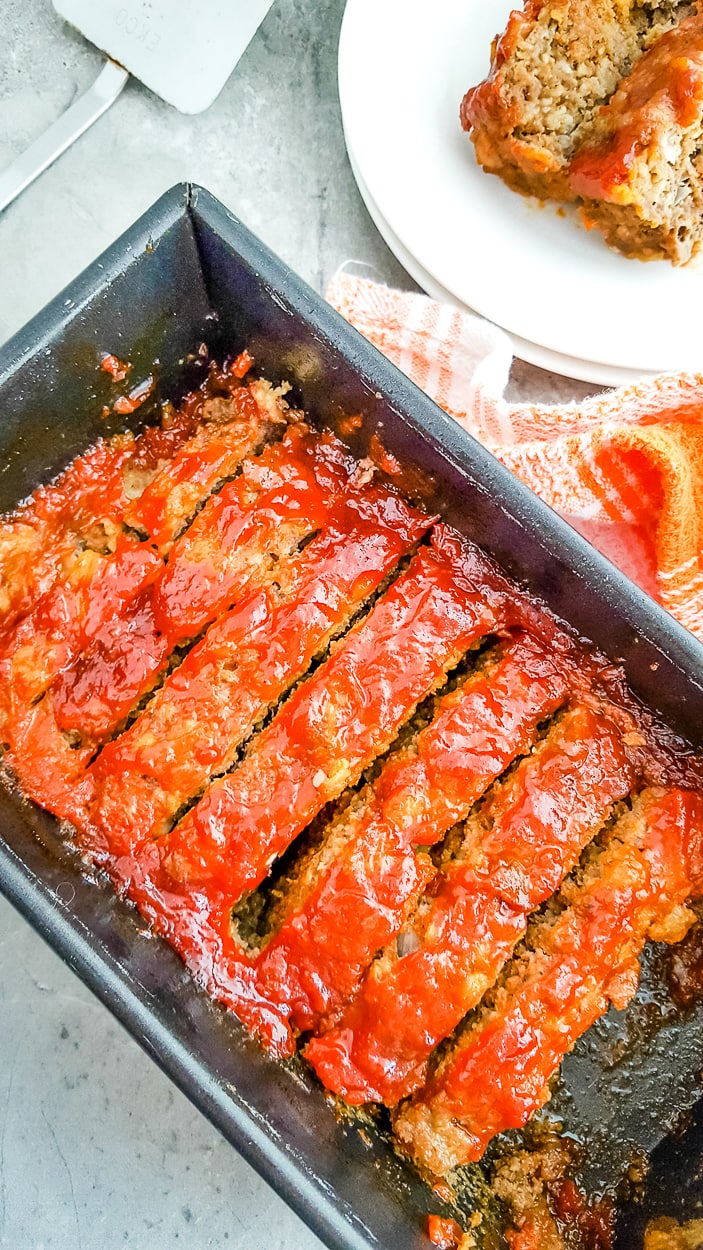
(686, 91)
(91, 488)
(96, 694)
(48, 768)
(118, 369)
(519, 849)
(597, 172)
(230, 549)
(68, 617)
(198, 927)
(285, 492)
(455, 596)
(246, 661)
(336, 722)
(214, 452)
(126, 404)
(664, 91)
(241, 365)
(446, 1234)
(49, 529)
(86, 504)
(317, 960)
(500, 1073)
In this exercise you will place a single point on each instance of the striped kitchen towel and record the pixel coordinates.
(625, 468)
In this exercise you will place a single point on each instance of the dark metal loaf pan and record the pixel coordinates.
(188, 272)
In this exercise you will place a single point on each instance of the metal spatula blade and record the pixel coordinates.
(183, 51)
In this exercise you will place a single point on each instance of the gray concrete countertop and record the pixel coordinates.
(97, 1149)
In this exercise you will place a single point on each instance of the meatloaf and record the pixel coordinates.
(640, 172)
(339, 760)
(553, 67)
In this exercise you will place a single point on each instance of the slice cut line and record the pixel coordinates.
(497, 1073)
(350, 904)
(246, 662)
(515, 852)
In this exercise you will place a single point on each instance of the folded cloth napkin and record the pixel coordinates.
(625, 467)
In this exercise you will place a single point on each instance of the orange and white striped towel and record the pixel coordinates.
(625, 468)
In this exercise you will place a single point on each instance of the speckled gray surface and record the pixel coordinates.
(97, 1149)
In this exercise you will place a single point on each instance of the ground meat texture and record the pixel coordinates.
(100, 569)
(332, 727)
(85, 508)
(353, 894)
(640, 174)
(232, 547)
(47, 765)
(234, 426)
(247, 660)
(87, 499)
(522, 1180)
(666, 1234)
(238, 647)
(553, 67)
(498, 1071)
(91, 593)
(514, 854)
(338, 721)
(546, 1209)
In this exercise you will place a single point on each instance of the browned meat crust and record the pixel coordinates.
(601, 103)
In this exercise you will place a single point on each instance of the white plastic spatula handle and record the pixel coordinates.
(44, 151)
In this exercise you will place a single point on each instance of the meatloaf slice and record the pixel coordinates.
(497, 1072)
(352, 895)
(552, 68)
(514, 852)
(641, 172)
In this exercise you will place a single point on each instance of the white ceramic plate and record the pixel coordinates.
(404, 66)
(569, 366)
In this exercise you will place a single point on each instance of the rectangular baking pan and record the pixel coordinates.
(188, 272)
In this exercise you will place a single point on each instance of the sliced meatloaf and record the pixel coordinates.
(640, 175)
(555, 65)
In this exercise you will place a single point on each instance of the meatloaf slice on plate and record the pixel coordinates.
(555, 65)
(640, 175)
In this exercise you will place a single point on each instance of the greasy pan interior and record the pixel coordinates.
(188, 272)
